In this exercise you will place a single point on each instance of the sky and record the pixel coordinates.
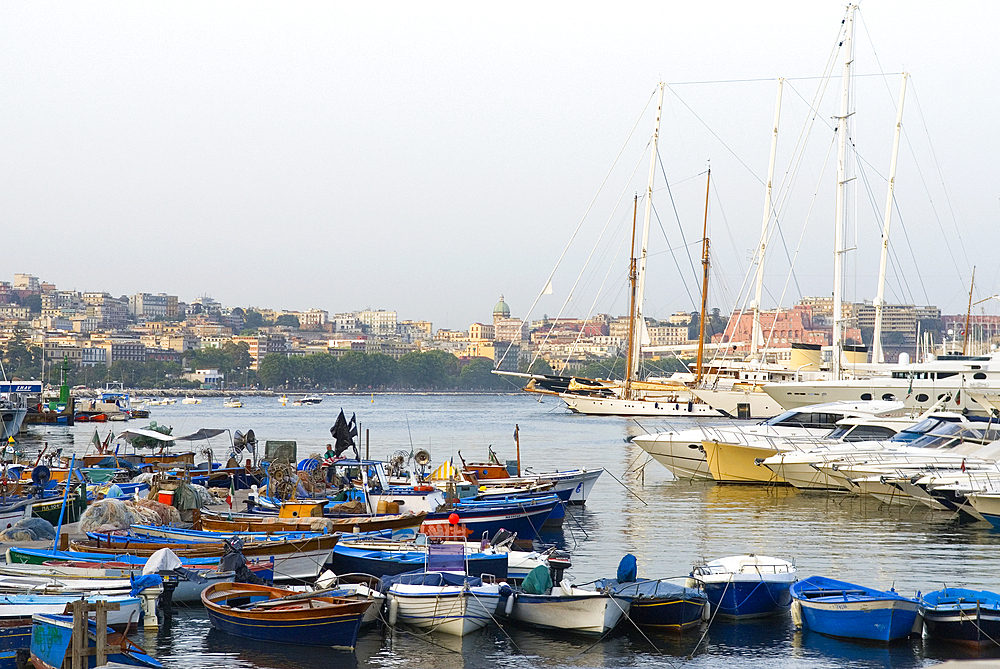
(428, 157)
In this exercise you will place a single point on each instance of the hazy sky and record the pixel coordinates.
(427, 157)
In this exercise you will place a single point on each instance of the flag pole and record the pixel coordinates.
(517, 440)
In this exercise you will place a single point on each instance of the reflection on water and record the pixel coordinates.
(668, 525)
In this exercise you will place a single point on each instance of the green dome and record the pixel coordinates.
(501, 309)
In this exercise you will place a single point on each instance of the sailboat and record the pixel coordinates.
(635, 396)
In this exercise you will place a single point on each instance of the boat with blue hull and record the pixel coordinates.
(659, 604)
(281, 616)
(960, 615)
(746, 586)
(51, 636)
(849, 611)
(348, 559)
(521, 515)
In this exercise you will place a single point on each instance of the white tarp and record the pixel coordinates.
(134, 432)
(162, 560)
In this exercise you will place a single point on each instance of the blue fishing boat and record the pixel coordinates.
(960, 615)
(15, 635)
(522, 515)
(657, 604)
(746, 586)
(850, 611)
(348, 559)
(51, 636)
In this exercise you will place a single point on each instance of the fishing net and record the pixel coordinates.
(154, 513)
(29, 529)
(106, 514)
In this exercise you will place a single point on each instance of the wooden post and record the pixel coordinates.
(79, 648)
(79, 641)
(102, 633)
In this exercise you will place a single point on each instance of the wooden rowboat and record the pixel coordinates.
(262, 613)
(256, 523)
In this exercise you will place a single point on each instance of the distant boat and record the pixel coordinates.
(850, 611)
(311, 399)
(233, 403)
(190, 400)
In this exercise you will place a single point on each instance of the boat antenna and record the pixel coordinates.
(965, 335)
(704, 280)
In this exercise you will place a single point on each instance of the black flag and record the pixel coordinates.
(344, 434)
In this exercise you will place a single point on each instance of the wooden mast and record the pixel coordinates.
(704, 282)
(965, 335)
(631, 310)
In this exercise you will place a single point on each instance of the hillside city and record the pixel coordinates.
(157, 340)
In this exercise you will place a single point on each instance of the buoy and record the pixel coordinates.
(393, 610)
(453, 518)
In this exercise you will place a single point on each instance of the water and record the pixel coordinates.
(668, 525)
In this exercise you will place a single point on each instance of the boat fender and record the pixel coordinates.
(505, 602)
(509, 605)
(393, 610)
(706, 612)
(797, 613)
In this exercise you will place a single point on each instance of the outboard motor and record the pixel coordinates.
(167, 596)
(558, 562)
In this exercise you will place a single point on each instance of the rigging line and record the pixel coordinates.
(729, 230)
(593, 305)
(913, 257)
(676, 264)
(714, 134)
(593, 250)
(937, 165)
(752, 81)
(677, 217)
(585, 214)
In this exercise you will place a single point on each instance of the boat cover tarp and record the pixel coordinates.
(146, 581)
(437, 579)
(538, 581)
(647, 589)
(627, 569)
(162, 560)
(201, 435)
(112, 462)
(132, 433)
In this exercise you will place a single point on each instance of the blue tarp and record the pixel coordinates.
(432, 578)
(142, 582)
(627, 570)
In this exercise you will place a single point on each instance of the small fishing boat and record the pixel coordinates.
(263, 613)
(190, 400)
(960, 615)
(522, 515)
(249, 522)
(840, 609)
(14, 606)
(233, 403)
(539, 603)
(445, 598)
(746, 586)
(389, 558)
(657, 604)
(52, 634)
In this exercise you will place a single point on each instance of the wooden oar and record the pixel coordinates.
(287, 598)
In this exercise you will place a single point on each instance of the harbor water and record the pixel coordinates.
(635, 508)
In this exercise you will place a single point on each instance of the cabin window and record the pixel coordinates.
(941, 396)
(866, 396)
(979, 376)
(870, 433)
(945, 375)
(922, 397)
(889, 397)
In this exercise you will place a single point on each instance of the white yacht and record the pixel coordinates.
(681, 451)
(918, 385)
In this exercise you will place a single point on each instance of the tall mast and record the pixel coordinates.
(756, 330)
(968, 314)
(877, 355)
(838, 234)
(636, 344)
(631, 308)
(704, 281)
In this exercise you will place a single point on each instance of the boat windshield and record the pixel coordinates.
(810, 419)
(935, 433)
(861, 433)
